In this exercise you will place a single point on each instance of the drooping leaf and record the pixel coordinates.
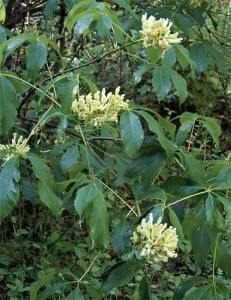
(200, 240)
(46, 184)
(121, 237)
(90, 205)
(138, 74)
(161, 81)
(69, 158)
(179, 84)
(104, 24)
(74, 13)
(36, 59)
(154, 54)
(7, 105)
(131, 132)
(213, 128)
(99, 222)
(9, 191)
(186, 285)
(176, 223)
(198, 54)
(184, 23)
(194, 169)
(202, 293)
(75, 295)
(217, 57)
(222, 252)
(83, 23)
(50, 8)
(9, 46)
(183, 132)
(183, 56)
(154, 126)
(120, 275)
(144, 289)
(210, 207)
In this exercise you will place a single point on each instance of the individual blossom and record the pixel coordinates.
(18, 147)
(155, 241)
(99, 108)
(157, 33)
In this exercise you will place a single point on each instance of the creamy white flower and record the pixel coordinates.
(157, 33)
(18, 147)
(155, 241)
(99, 108)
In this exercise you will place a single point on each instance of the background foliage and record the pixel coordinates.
(68, 208)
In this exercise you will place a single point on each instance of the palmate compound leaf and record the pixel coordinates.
(9, 191)
(7, 105)
(91, 206)
(132, 133)
(46, 183)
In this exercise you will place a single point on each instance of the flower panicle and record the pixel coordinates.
(158, 33)
(155, 241)
(18, 147)
(99, 108)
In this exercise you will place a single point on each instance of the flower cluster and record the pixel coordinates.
(157, 33)
(99, 108)
(155, 241)
(18, 147)
(196, 3)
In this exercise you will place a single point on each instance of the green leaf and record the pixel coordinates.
(198, 54)
(184, 23)
(182, 55)
(210, 207)
(9, 191)
(73, 14)
(200, 240)
(99, 222)
(84, 199)
(131, 132)
(138, 74)
(169, 58)
(121, 274)
(222, 250)
(144, 289)
(154, 54)
(147, 166)
(179, 84)
(104, 24)
(183, 132)
(154, 126)
(121, 238)
(9, 46)
(176, 223)
(8, 104)
(90, 205)
(83, 23)
(217, 57)
(161, 81)
(202, 293)
(69, 158)
(50, 8)
(2, 34)
(43, 281)
(52, 290)
(194, 169)
(75, 295)
(186, 286)
(126, 6)
(46, 184)
(213, 128)
(36, 59)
